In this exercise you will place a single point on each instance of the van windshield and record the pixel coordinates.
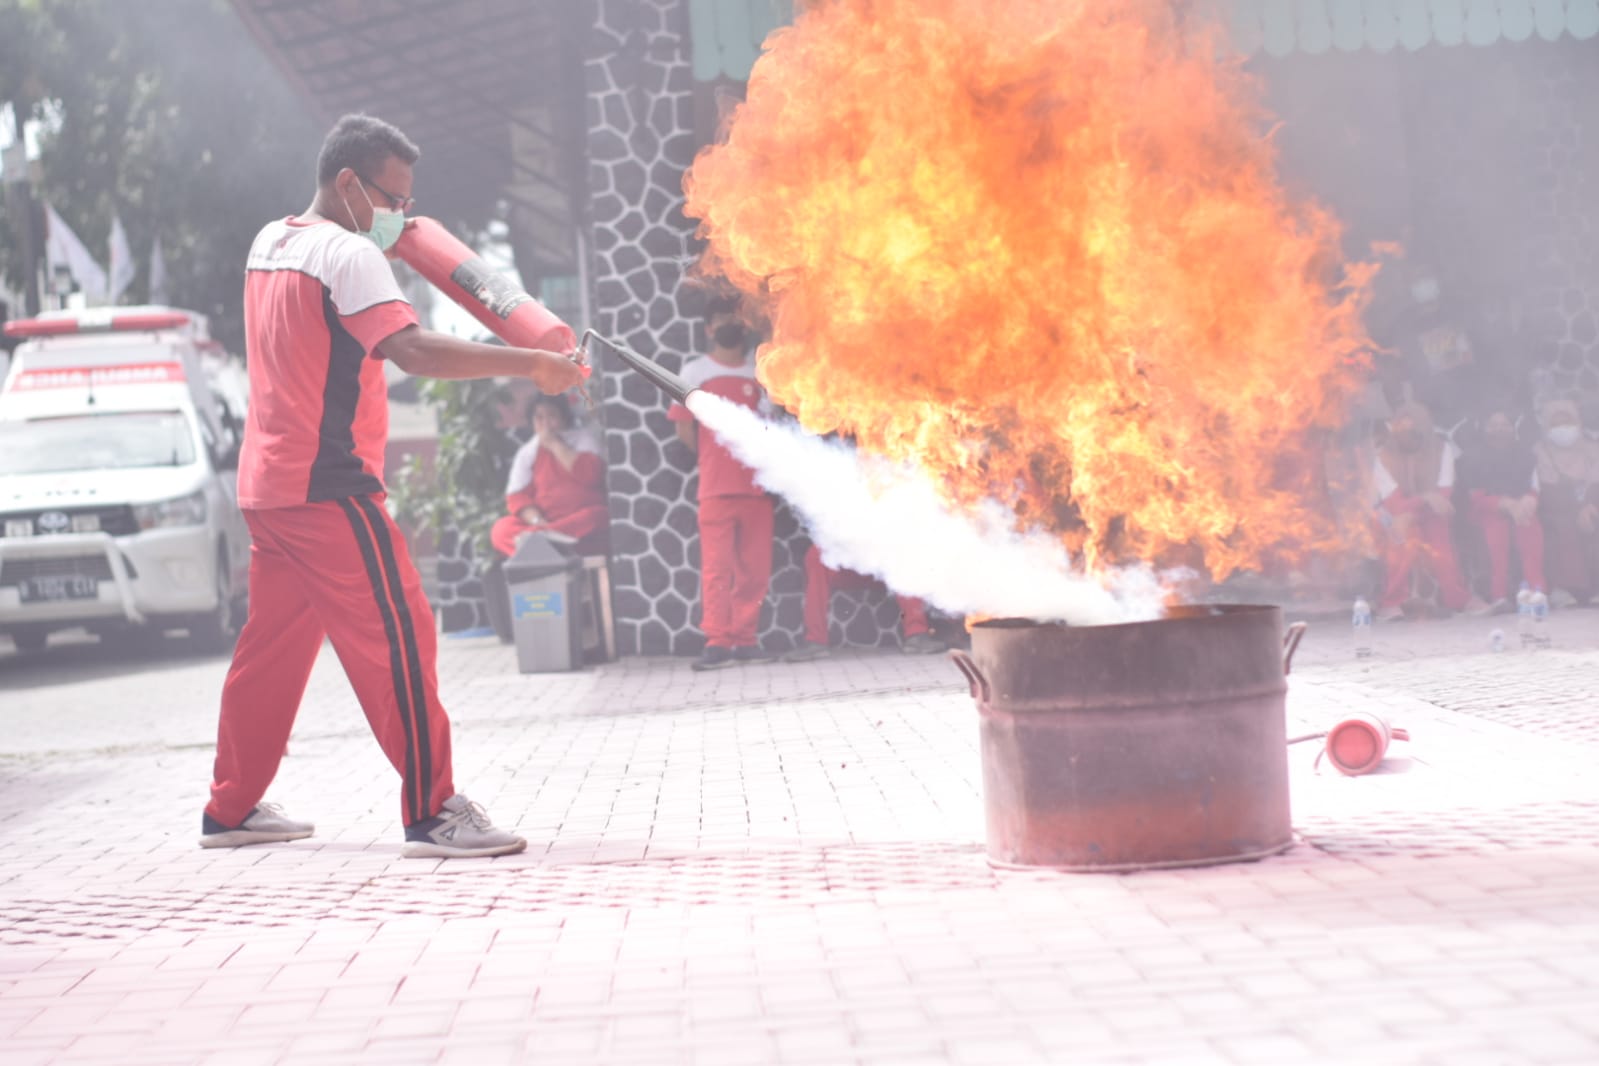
(96, 442)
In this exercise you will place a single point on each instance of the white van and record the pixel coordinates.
(119, 430)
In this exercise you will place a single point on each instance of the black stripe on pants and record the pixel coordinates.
(413, 783)
(413, 655)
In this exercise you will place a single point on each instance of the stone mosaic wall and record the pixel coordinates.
(641, 140)
(1504, 172)
(1562, 255)
(458, 596)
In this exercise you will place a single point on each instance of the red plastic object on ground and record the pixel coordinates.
(1357, 744)
(462, 275)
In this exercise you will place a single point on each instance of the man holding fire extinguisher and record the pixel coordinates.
(322, 310)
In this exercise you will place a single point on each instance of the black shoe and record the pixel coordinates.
(713, 659)
(923, 644)
(808, 652)
(753, 654)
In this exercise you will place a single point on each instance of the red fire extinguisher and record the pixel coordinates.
(508, 312)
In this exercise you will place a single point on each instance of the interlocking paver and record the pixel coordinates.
(784, 864)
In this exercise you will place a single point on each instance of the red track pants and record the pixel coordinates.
(340, 569)
(587, 525)
(820, 582)
(1498, 530)
(1426, 544)
(735, 567)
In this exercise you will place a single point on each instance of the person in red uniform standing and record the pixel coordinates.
(557, 484)
(735, 513)
(322, 310)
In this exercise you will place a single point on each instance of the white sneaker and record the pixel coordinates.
(267, 824)
(461, 830)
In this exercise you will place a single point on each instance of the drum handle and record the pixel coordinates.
(974, 677)
(1291, 639)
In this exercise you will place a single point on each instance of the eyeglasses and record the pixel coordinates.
(400, 204)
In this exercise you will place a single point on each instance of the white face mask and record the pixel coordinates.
(1563, 436)
(387, 223)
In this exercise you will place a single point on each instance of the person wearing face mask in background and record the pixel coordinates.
(735, 513)
(322, 310)
(1568, 477)
(1412, 478)
(1499, 491)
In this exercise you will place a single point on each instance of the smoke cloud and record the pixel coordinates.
(888, 520)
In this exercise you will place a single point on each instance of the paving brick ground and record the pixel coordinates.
(785, 864)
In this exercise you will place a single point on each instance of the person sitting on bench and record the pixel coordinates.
(557, 484)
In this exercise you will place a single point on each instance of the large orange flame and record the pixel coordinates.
(1039, 247)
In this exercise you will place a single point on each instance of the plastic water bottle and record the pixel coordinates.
(1540, 619)
(1496, 640)
(1360, 622)
(1524, 614)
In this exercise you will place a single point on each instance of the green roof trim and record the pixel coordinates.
(727, 34)
(1281, 27)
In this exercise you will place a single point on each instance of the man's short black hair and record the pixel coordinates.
(362, 143)
(721, 303)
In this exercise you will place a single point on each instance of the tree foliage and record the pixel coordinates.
(463, 489)
(168, 114)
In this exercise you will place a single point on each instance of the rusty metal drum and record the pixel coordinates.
(1127, 747)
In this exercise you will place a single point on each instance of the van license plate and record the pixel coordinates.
(58, 587)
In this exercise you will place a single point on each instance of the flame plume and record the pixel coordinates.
(1039, 248)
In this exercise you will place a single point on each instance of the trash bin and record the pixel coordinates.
(543, 587)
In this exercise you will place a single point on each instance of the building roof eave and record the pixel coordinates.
(484, 87)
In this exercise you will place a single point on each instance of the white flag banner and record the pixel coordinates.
(122, 268)
(158, 275)
(63, 249)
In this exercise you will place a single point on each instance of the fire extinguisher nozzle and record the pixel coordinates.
(653, 372)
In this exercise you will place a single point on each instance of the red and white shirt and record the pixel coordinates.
(1384, 484)
(318, 300)
(720, 473)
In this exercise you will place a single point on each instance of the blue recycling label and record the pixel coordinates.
(537, 605)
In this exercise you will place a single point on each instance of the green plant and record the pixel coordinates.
(463, 489)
